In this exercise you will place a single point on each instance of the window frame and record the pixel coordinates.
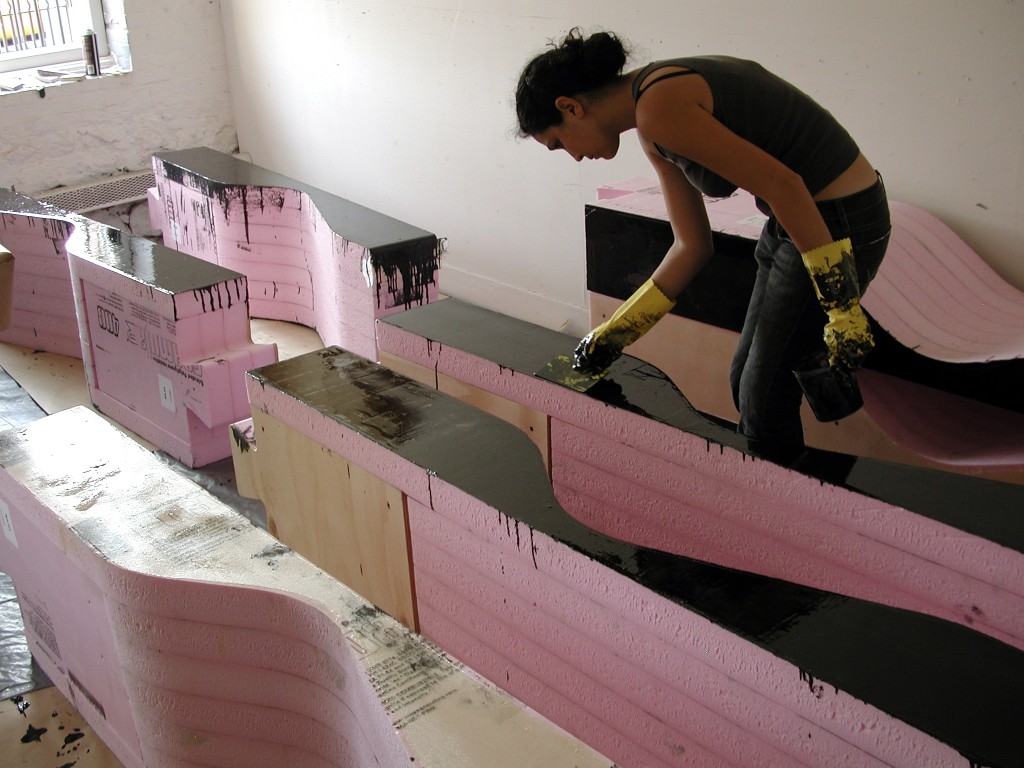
(60, 55)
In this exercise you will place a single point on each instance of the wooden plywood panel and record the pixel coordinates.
(415, 371)
(340, 517)
(533, 423)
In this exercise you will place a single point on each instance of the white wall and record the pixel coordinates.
(176, 96)
(405, 106)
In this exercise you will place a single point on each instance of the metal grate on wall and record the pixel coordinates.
(104, 193)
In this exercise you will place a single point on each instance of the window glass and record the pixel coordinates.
(39, 33)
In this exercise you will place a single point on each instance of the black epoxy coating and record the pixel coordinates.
(986, 508)
(352, 221)
(398, 249)
(624, 248)
(162, 268)
(958, 685)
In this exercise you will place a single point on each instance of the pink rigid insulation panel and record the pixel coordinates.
(933, 293)
(188, 637)
(164, 336)
(43, 311)
(165, 341)
(654, 658)
(311, 257)
(673, 480)
(949, 330)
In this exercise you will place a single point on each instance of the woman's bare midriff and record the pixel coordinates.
(858, 177)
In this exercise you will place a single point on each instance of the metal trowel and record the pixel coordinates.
(559, 370)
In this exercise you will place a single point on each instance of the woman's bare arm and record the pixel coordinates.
(676, 114)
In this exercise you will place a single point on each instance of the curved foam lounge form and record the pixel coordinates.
(949, 331)
(653, 658)
(634, 460)
(164, 337)
(935, 295)
(311, 257)
(188, 637)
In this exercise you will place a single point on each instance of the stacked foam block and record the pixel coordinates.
(654, 658)
(933, 292)
(311, 257)
(647, 468)
(168, 342)
(187, 637)
(42, 309)
(164, 337)
(942, 388)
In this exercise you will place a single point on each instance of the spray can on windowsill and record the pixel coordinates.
(91, 53)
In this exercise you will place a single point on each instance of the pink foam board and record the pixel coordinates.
(277, 234)
(160, 362)
(757, 710)
(155, 209)
(642, 678)
(33, 289)
(933, 293)
(699, 716)
(918, 417)
(298, 298)
(186, 636)
(268, 272)
(747, 524)
(40, 267)
(268, 305)
(624, 187)
(259, 253)
(879, 551)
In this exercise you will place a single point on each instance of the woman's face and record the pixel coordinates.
(580, 133)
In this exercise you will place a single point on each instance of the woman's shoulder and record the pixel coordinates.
(705, 65)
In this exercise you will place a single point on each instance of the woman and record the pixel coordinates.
(710, 125)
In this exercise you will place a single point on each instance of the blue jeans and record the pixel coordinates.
(784, 322)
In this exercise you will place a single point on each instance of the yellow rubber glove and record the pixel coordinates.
(834, 275)
(637, 315)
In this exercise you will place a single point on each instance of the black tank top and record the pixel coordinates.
(768, 112)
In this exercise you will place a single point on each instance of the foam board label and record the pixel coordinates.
(132, 343)
(166, 392)
(39, 626)
(7, 523)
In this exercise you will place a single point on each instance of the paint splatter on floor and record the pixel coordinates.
(42, 730)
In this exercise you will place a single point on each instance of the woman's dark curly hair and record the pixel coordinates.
(574, 66)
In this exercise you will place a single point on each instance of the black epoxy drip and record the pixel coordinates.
(19, 701)
(72, 737)
(405, 259)
(163, 269)
(639, 387)
(219, 296)
(407, 269)
(958, 685)
(214, 172)
(624, 248)
(33, 734)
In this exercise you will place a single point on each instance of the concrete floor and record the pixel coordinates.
(39, 728)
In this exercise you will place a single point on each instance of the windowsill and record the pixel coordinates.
(37, 78)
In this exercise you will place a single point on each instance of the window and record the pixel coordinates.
(40, 33)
